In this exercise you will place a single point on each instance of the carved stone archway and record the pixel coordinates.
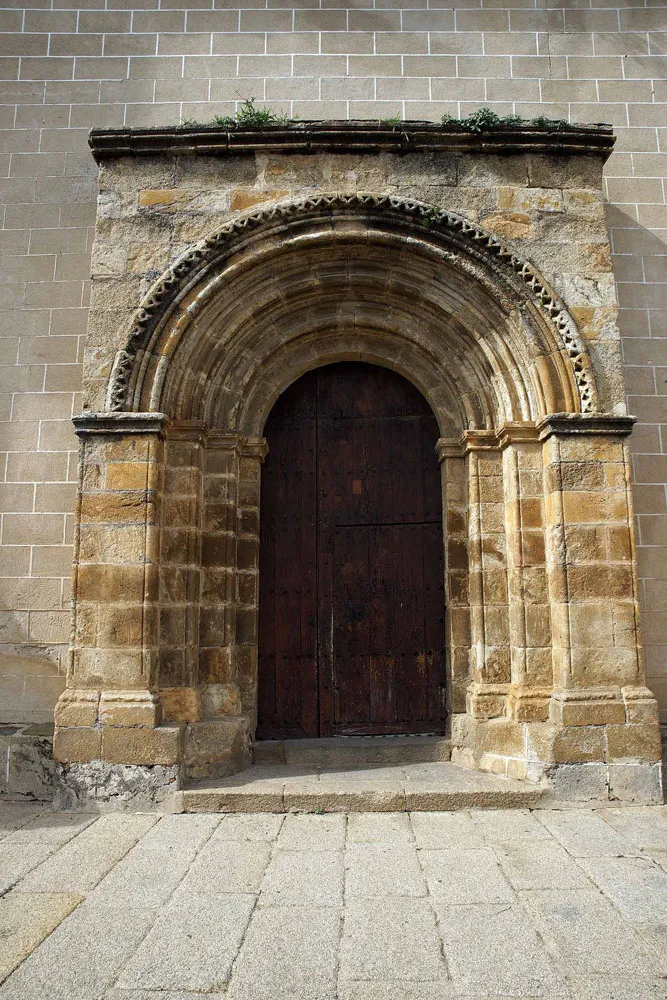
(545, 672)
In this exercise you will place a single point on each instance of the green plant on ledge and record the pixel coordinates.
(247, 116)
(486, 120)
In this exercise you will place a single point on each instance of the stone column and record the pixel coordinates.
(230, 556)
(457, 601)
(110, 709)
(490, 657)
(600, 705)
(528, 597)
(180, 572)
(252, 452)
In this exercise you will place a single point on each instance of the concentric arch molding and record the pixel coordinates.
(193, 266)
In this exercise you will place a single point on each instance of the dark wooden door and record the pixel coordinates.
(351, 610)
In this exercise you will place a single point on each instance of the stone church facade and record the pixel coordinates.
(485, 269)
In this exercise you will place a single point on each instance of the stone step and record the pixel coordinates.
(352, 751)
(414, 787)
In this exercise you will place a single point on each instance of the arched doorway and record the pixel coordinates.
(351, 600)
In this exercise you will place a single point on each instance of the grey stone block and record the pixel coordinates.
(14, 815)
(25, 920)
(81, 958)
(191, 946)
(591, 936)
(232, 867)
(636, 886)
(256, 827)
(82, 863)
(50, 828)
(144, 878)
(317, 833)
(579, 782)
(395, 940)
(374, 870)
(440, 830)
(492, 950)
(540, 865)
(180, 831)
(460, 876)
(379, 828)
(16, 860)
(641, 783)
(303, 878)
(585, 834)
(499, 825)
(289, 953)
(645, 827)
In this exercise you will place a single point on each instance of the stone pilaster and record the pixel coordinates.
(600, 704)
(110, 709)
(457, 606)
(180, 572)
(490, 656)
(529, 611)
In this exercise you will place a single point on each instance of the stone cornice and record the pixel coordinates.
(120, 423)
(345, 137)
(585, 423)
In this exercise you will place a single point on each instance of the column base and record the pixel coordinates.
(100, 786)
(486, 701)
(528, 704)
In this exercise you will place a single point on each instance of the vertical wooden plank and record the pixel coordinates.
(287, 697)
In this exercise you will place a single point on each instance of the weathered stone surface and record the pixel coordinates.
(82, 863)
(289, 953)
(584, 834)
(492, 950)
(379, 828)
(302, 878)
(395, 941)
(321, 833)
(584, 926)
(373, 870)
(82, 956)
(101, 786)
(25, 920)
(14, 815)
(144, 878)
(191, 946)
(540, 865)
(232, 867)
(460, 876)
(445, 830)
(636, 886)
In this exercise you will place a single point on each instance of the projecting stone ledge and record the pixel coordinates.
(393, 788)
(347, 136)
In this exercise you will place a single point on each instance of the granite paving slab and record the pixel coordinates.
(81, 958)
(461, 905)
(289, 953)
(191, 946)
(303, 878)
(25, 920)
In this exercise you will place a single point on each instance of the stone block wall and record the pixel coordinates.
(66, 68)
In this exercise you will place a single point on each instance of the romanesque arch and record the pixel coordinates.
(164, 659)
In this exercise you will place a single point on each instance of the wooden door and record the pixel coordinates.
(351, 611)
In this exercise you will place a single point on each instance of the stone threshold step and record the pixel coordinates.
(354, 750)
(414, 787)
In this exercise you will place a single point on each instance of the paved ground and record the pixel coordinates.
(364, 906)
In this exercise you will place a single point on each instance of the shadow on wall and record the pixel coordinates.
(640, 268)
(29, 689)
